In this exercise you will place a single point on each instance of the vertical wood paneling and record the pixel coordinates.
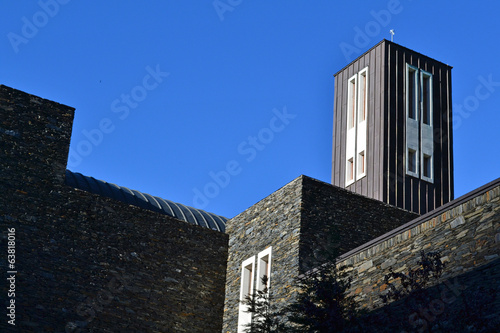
(449, 128)
(400, 121)
(386, 177)
(370, 155)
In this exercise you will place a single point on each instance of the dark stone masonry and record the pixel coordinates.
(466, 233)
(303, 216)
(89, 263)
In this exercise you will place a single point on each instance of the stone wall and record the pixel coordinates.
(466, 232)
(89, 263)
(300, 221)
(308, 221)
(273, 221)
(335, 220)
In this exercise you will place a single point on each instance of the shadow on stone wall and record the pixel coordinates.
(467, 303)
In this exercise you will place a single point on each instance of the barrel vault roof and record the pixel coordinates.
(146, 201)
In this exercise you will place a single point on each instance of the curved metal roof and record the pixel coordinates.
(146, 201)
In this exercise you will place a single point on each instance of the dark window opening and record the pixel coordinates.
(412, 161)
(412, 98)
(426, 100)
(427, 166)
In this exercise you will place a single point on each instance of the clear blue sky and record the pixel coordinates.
(172, 93)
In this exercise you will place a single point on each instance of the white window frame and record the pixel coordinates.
(361, 124)
(247, 283)
(351, 130)
(356, 127)
(426, 130)
(431, 168)
(417, 158)
(263, 269)
(353, 99)
(429, 76)
(412, 123)
(419, 135)
(412, 70)
(363, 106)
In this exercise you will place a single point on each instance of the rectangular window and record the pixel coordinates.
(350, 169)
(264, 268)
(426, 98)
(246, 289)
(361, 164)
(357, 114)
(427, 166)
(412, 161)
(411, 92)
(247, 283)
(362, 95)
(419, 131)
(352, 103)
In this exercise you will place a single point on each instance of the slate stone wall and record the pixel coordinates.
(335, 220)
(273, 221)
(89, 263)
(301, 221)
(467, 234)
(307, 221)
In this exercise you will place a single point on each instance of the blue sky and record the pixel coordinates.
(234, 98)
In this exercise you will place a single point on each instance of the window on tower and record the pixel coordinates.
(350, 169)
(362, 95)
(357, 114)
(361, 164)
(419, 128)
(427, 167)
(412, 161)
(426, 98)
(411, 92)
(352, 103)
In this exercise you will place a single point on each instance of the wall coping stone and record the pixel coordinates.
(426, 221)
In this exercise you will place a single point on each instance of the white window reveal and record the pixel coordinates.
(361, 127)
(351, 129)
(426, 127)
(411, 162)
(357, 113)
(427, 167)
(249, 279)
(419, 124)
(412, 119)
(264, 268)
(246, 289)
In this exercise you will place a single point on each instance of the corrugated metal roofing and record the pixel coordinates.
(146, 201)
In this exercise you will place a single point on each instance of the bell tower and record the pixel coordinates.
(392, 136)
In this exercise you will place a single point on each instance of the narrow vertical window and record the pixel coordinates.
(351, 118)
(357, 126)
(362, 96)
(427, 166)
(361, 164)
(350, 169)
(411, 93)
(264, 268)
(412, 161)
(246, 289)
(426, 98)
(247, 277)
(426, 127)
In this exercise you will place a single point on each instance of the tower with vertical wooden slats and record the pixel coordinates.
(392, 135)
